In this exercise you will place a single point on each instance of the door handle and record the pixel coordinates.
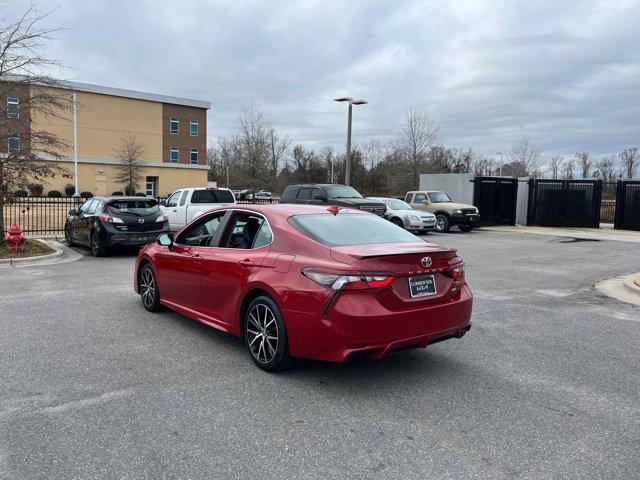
(245, 263)
(196, 257)
(175, 210)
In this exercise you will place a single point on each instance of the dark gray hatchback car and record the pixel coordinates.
(103, 223)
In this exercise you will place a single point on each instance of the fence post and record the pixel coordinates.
(531, 206)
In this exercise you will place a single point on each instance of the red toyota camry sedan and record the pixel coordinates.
(307, 281)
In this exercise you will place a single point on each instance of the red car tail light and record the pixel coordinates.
(110, 219)
(162, 218)
(457, 274)
(338, 281)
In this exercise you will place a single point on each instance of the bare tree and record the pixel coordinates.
(484, 166)
(327, 155)
(278, 147)
(253, 147)
(555, 166)
(567, 169)
(629, 161)
(525, 158)
(21, 65)
(585, 162)
(129, 152)
(417, 134)
(605, 169)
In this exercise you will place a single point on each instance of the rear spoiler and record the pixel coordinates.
(361, 252)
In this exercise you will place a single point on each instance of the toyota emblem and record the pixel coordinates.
(425, 262)
(141, 220)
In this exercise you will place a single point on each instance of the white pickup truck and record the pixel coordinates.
(184, 205)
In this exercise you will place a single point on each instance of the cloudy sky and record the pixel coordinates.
(564, 73)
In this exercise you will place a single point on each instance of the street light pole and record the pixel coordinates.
(347, 165)
(501, 162)
(75, 146)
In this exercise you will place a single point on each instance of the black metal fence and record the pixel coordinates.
(627, 216)
(565, 203)
(39, 215)
(496, 198)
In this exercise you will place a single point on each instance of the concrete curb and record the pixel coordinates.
(633, 284)
(62, 254)
(622, 288)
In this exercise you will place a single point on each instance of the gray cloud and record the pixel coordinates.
(564, 73)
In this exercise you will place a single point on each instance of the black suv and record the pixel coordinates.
(105, 222)
(330, 194)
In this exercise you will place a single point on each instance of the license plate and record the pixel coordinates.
(422, 286)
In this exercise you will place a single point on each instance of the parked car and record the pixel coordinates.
(307, 281)
(331, 194)
(103, 223)
(263, 195)
(447, 212)
(404, 215)
(184, 205)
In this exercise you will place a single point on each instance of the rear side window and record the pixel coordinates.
(144, 206)
(304, 194)
(249, 231)
(212, 196)
(350, 229)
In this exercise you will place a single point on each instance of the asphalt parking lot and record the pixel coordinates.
(546, 384)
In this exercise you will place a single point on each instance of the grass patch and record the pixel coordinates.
(30, 248)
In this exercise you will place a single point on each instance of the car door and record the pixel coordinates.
(179, 268)
(418, 198)
(82, 224)
(227, 269)
(172, 209)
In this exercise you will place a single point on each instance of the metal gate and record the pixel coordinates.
(564, 203)
(496, 198)
(628, 205)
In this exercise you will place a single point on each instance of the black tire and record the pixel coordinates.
(97, 248)
(68, 237)
(465, 228)
(148, 288)
(398, 222)
(264, 327)
(443, 224)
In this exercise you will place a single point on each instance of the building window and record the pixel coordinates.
(13, 105)
(14, 143)
(152, 186)
(194, 156)
(173, 125)
(174, 155)
(194, 128)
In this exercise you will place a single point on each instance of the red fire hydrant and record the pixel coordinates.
(14, 239)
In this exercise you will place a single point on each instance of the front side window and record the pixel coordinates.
(249, 231)
(304, 194)
(183, 198)
(173, 125)
(419, 198)
(349, 229)
(202, 232)
(439, 197)
(194, 156)
(14, 143)
(173, 199)
(174, 155)
(193, 128)
(13, 105)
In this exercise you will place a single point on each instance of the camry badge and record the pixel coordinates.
(141, 220)
(425, 262)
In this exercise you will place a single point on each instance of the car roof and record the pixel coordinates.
(316, 185)
(288, 209)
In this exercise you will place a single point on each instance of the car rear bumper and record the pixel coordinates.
(357, 322)
(132, 239)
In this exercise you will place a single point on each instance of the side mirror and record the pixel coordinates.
(322, 198)
(73, 213)
(426, 202)
(166, 240)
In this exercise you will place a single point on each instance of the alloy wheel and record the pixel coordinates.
(147, 288)
(94, 244)
(262, 332)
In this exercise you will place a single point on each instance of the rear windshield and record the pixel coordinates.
(144, 206)
(350, 229)
(212, 196)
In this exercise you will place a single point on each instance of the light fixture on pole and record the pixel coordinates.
(347, 165)
(500, 153)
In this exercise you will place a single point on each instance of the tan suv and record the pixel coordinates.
(447, 213)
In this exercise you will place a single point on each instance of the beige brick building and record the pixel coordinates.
(171, 130)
